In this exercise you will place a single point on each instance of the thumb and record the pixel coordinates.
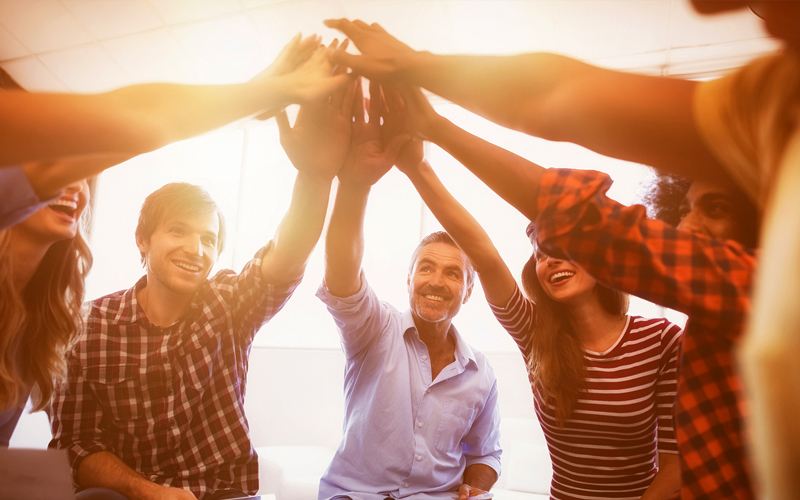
(283, 124)
(393, 149)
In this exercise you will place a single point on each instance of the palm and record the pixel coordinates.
(320, 138)
(367, 161)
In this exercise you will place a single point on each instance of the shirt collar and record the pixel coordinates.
(463, 353)
(131, 311)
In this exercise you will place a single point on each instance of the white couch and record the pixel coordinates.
(295, 405)
(296, 409)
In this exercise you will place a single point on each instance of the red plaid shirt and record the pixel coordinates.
(707, 279)
(169, 402)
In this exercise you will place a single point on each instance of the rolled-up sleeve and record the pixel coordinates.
(76, 417)
(708, 279)
(481, 445)
(361, 319)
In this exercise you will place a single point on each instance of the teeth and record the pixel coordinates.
(434, 297)
(188, 267)
(562, 274)
(66, 203)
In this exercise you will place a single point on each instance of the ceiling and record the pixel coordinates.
(97, 45)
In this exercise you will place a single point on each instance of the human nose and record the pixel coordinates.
(193, 246)
(553, 261)
(691, 222)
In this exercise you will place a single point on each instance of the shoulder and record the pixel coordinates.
(656, 330)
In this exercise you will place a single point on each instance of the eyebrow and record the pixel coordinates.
(427, 260)
(184, 225)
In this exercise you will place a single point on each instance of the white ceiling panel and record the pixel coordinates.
(184, 11)
(88, 68)
(277, 24)
(114, 18)
(152, 57)
(42, 25)
(490, 27)
(225, 49)
(10, 48)
(590, 30)
(32, 75)
(689, 29)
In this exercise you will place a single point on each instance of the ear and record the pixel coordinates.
(143, 245)
(408, 282)
(468, 293)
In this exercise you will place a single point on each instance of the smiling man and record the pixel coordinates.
(153, 404)
(421, 414)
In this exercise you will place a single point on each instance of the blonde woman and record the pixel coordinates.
(43, 263)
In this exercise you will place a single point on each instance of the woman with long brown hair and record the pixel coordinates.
(44, 261)
(603, 382)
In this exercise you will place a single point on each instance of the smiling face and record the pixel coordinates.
(59, 220)
(437, 285)
(180, 253)
(715, 211)
(563, 281)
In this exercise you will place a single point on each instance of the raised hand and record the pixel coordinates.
(314, 78)
(297, 51)
(318, 142)
(398, 123)
(382, 54)
(372, 154)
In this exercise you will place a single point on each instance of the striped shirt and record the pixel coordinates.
(608, 446)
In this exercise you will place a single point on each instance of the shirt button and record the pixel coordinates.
(419, 424)
(164, 360)
(405, 485)
(429, 390)
(424, 358)
(172, 423)
(169, 392)
(419, 458)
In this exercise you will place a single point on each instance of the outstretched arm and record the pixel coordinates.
(637, 118)
(369, 159)
(497, 281)
(133, 120)
(317, 145)
(512, 177)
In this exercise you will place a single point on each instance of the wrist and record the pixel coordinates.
(411, 63)
(311, 177)
(437, 129)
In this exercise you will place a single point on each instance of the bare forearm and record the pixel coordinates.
(106, 470)
(131, 120)
(512, 177)
(480, 476)
(344, 245)
(496, 279)
(668, 479)
(48, 178)
(299, 231)
(637, 118)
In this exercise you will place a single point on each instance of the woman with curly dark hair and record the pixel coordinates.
(44, 261)
(720, 211)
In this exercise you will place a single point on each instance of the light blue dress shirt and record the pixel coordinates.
(405, 435)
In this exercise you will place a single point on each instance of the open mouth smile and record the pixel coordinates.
(435, 298)
(67, 208)
(192, 268)
(561, 276)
